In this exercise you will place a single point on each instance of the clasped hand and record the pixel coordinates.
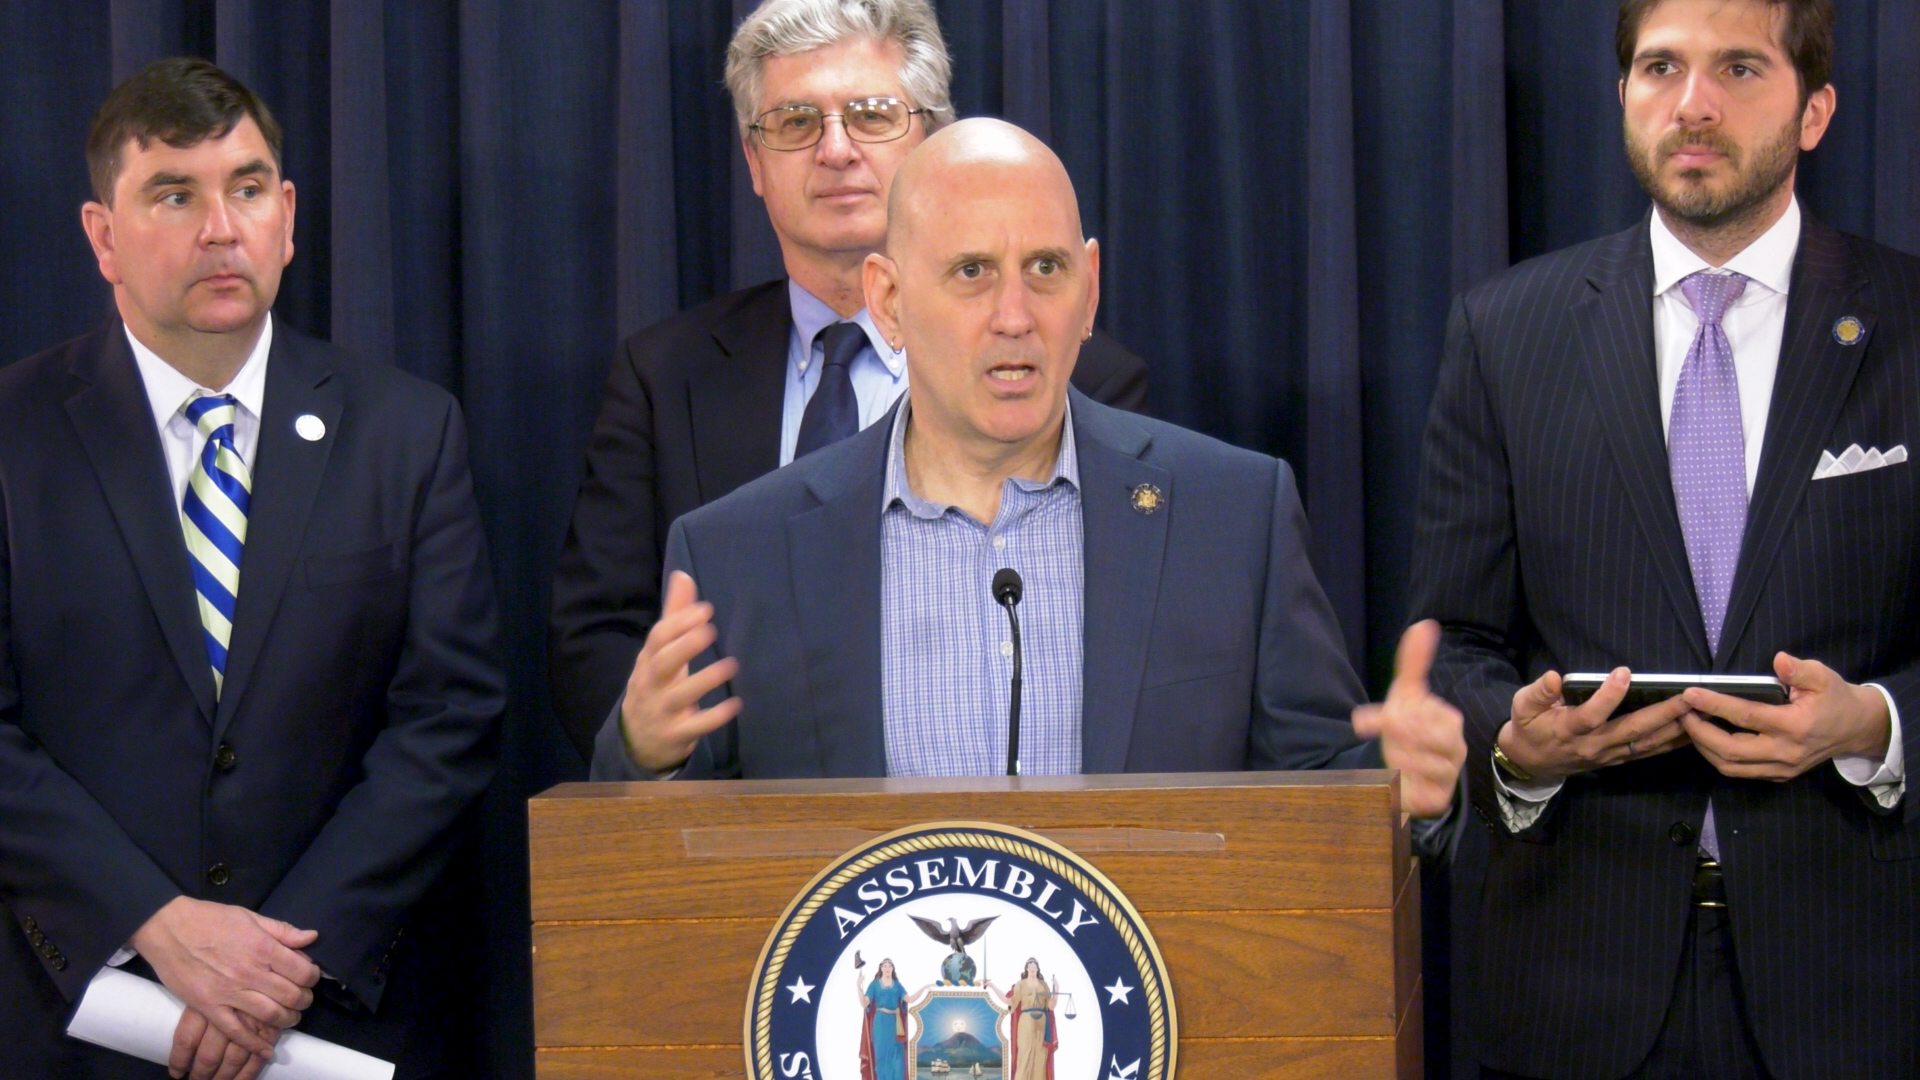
(1419, 733)
(244, 979)
(1825, 717)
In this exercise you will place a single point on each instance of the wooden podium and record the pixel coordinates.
(1286, 906)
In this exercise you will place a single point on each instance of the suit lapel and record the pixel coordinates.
(1810, 387)
(1124, 550)
(286, 476)
(834, 552)
(1615, 327)
(115, 424)
(736, 401)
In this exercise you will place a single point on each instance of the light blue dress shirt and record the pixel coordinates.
(946, 654)
(879, 373)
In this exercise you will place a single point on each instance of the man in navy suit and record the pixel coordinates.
(248, 682)
(830, 97)
(1169, 622)
(1641, 458)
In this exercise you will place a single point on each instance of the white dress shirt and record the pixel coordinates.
(168, 392)
(1754, 324)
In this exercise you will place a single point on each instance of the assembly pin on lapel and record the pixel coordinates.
(310, 427)
(1148, 499)
(1848, 330)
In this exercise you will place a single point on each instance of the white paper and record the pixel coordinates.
(137, 1016)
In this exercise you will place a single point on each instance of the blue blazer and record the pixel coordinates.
(1208, 642)
(361, 703)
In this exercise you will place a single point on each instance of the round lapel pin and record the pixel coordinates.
(310, 427)
(1148, 499)
(1848, 330)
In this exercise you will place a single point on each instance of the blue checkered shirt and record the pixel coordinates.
(946, 653)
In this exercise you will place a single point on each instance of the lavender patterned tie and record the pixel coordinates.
(1707, 453)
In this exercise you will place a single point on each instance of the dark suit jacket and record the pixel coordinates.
(692, 412)
(1548, 539)
(361, 700)
(1208, 643)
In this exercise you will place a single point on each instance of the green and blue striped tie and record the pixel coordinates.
(214, 515)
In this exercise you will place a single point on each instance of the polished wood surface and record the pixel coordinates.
(1201, 1059)
(1284, 904)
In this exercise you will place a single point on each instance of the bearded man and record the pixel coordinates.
(1640, 458)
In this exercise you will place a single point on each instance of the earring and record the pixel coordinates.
(1088, 336)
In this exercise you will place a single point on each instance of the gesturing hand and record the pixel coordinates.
(1825, 717)
(1551, 739)
(661, 712)
(1420, 734)
(201, 1052)
(243, 973)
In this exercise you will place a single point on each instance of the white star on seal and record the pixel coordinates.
(1117, 993)
(801, 992)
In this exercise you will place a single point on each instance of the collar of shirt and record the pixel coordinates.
(1767, 262)
(168, 390)
(1066, 467)
(811, 315)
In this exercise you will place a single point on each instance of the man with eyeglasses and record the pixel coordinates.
(830, 95)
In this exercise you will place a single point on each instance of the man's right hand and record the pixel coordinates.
(243, 972)
(1551, 739)
(200, 1052)
(661, 715)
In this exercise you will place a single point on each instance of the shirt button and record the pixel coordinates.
(1006, 649)
(1681, 834)
(999, 543)
(218, 874)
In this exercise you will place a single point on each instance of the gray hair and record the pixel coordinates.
(785, 27)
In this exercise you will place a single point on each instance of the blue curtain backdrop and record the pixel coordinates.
(1288, 192)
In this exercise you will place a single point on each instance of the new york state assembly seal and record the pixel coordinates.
(960, 949)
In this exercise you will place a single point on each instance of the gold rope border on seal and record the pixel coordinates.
(1007, 840)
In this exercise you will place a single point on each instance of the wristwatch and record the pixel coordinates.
(1506, 765)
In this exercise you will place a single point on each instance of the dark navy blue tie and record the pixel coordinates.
(833, 413)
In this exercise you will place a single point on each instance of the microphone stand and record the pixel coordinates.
(1006, 592)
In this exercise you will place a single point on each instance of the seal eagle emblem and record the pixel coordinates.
(957, 969)
(960, 949)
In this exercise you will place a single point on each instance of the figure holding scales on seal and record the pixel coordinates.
(1033, 1035)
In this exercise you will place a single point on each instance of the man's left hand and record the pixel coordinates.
(1419, 733)
(1825, 717)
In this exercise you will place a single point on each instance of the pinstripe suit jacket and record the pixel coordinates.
(1548, 539)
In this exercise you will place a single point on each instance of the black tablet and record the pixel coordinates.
(1648, 690)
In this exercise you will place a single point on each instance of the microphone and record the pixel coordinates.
(1006, 593)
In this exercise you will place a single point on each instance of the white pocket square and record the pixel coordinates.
(1856, 460)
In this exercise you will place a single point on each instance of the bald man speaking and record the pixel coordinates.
(853, 613)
